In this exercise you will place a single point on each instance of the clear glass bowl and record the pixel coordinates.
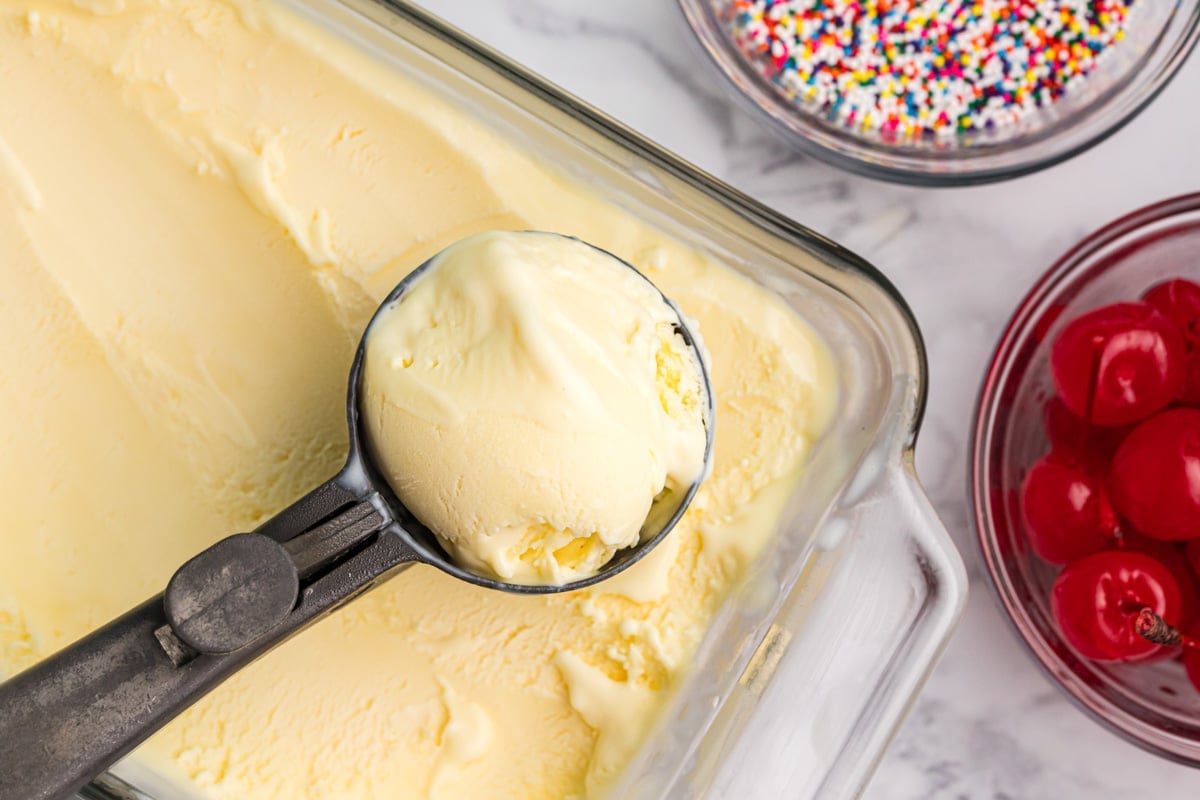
(812, 662)
(1159, 37)
(1151, 705)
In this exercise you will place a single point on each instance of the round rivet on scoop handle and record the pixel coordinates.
(233, 593)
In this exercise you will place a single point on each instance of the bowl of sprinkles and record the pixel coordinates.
(946, 92)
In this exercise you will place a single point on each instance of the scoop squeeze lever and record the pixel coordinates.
(69, 717)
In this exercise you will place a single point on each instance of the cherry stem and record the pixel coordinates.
(1153, 628)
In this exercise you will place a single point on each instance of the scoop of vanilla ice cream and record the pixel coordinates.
(527, 398)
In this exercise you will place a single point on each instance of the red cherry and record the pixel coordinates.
(1118, 364)
(1179, 301)
(1154, 482)
(1173, 558)
(1191, 660)
(1192, 551)
(1190, 393)
(1096, 599)
(1067, 513)
(1093, 445)
(1189, 595)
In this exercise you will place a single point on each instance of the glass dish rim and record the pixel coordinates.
(1064, 272)
(870, 160)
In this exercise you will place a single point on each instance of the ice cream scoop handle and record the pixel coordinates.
(69, 717)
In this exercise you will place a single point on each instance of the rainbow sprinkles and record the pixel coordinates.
(915, 69)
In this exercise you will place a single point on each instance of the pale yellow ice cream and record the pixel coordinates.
(528, 397)
(201, 205)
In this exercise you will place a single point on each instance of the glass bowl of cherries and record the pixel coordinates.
(1086, 475)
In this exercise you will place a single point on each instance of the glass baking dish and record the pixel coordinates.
(813, 660)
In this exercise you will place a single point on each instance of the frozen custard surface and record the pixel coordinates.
(528, 397)
(201, 205)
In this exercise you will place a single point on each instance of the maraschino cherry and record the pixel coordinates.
(1092, 445)
(1191, 660)
(1118, 364)
(1154, 481)
(1067, 512)
(1172, 556)
(1117, 501)
(1097, 599)
(1192, 551)
(1179, 301)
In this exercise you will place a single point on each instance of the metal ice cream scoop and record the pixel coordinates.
(69, 717)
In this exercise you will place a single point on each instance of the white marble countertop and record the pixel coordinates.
(989, 725)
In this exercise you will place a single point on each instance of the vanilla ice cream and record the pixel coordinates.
(202, 203)
(528, 397)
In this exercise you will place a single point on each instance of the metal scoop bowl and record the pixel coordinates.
(66, 719)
